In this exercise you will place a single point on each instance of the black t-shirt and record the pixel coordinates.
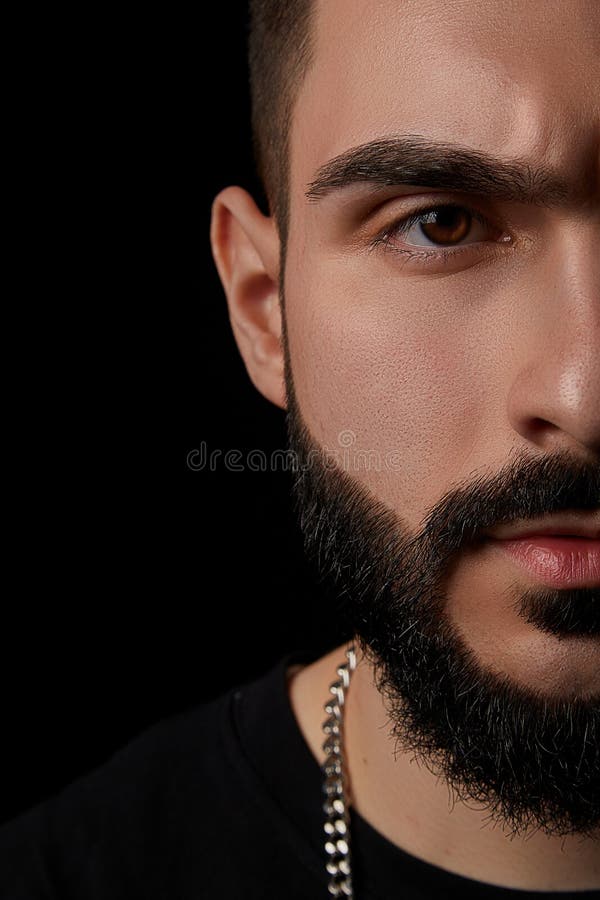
(222, 801)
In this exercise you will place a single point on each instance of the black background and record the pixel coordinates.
(139, 586)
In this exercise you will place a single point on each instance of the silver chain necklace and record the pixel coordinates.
(336, 805)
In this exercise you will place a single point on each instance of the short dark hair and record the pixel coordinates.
(279, 54)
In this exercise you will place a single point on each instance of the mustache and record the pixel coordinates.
(526, 488)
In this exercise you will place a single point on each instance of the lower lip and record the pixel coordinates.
(556, 561)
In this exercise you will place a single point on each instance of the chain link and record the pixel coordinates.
(335, 807)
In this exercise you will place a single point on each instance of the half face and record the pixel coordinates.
(430, 354)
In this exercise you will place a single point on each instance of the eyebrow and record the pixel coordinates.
(414, 160)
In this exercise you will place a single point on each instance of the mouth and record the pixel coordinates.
(555, 558)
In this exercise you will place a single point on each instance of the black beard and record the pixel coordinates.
(533, 760)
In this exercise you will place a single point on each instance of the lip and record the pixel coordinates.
(575, 523)
(555, 560)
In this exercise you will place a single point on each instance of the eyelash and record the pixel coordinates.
(402, 225)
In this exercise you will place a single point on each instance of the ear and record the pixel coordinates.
(245, 247)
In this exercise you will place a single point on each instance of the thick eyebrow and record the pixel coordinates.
(414, 160)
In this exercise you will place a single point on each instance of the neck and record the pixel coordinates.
(413, 809)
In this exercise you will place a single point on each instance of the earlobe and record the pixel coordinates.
(245, 247)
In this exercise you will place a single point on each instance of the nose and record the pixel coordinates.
(554, 398)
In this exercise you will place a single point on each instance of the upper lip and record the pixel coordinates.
(566, 523)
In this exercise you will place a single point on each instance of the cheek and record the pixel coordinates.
(387, 382)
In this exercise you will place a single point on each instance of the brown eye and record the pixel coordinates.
(439, 233)
(446, 224)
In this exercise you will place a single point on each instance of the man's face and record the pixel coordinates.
(473, 376)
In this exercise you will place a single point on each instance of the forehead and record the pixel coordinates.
(511, 78)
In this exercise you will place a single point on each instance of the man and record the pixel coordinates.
(422, 300)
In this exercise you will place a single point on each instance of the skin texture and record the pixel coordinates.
(448, 369)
